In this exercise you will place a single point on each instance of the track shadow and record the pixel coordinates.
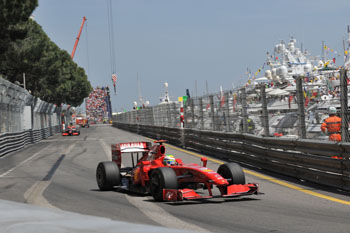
(119, 190)
(214, 201)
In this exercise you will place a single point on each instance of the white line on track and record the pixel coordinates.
(34, 195)
(153, 211)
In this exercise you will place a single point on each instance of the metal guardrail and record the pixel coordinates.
(10, 142)
(303, 159)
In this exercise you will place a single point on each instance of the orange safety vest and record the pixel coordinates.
(333, 125)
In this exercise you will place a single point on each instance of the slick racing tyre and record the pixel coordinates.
(107, 175)
(162, 178)
(233, 172)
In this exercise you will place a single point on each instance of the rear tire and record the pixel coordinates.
(232, 171)
(107, 175)
(162, 178)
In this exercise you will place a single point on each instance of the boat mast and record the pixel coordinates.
(323, 55)
(346, 50)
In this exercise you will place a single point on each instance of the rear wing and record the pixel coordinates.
(128, 147)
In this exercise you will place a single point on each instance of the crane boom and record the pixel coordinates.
(78, 37)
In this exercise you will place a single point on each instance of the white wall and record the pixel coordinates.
(27, 117)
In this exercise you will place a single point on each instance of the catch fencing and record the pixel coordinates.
(167, 114)
(292, 112)
(260, 125)
(24, 119)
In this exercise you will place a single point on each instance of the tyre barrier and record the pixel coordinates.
(10, 142)
(321, 162)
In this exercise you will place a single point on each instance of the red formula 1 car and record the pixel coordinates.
(71, 131)
(84, 123)
(177, 182)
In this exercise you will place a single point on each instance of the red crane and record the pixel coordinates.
(78, 37)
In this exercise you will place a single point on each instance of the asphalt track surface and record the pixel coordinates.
(59, 173)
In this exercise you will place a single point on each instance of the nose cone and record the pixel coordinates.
(219, 180)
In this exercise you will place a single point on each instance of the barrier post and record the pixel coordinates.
(192, 112)
(244, 110)
(265, 115)
(201, 115)
(344, 106)
(211, 99)
(227, 115)
(301, 111)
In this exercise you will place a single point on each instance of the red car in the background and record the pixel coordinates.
(84, 123)
(71, 131)
(178, 182)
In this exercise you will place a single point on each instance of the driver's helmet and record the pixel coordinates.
(169, 160)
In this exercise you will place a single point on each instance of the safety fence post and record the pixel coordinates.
(344, 106)
(301, 111)
(192, 112)
(227, 113)
(211, 99)
(168, 115)
(244, 110)
(265, 115)
(201, 115)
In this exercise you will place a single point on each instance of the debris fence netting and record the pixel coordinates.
(241, 110)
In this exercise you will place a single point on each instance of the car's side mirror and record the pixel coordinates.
(204, 161)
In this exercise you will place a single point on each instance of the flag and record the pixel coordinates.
(114, 79)
(234, 102)
(334, 60)
(222, 101)
(290, 99)
(208, 106)
(307, 100)
(188, 93)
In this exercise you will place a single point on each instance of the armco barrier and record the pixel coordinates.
(10, 142)
(303, 159)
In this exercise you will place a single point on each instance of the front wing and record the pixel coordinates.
(234, 190)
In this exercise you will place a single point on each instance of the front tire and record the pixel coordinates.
(162, 178)
(233, 172)
(107, 175)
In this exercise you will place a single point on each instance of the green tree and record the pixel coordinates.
(12, 13)
(50, 72)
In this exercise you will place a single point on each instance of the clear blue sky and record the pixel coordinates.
(181, 41)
